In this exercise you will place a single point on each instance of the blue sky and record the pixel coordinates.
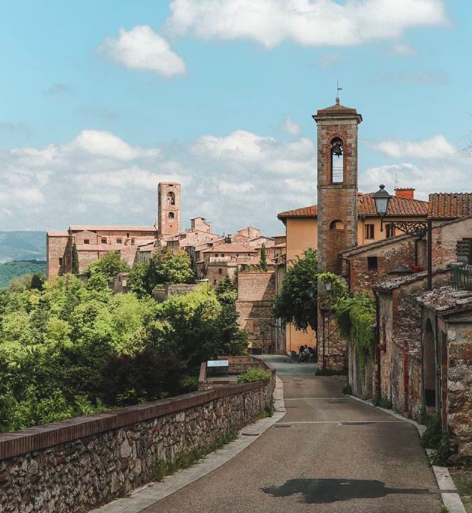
(100, 100)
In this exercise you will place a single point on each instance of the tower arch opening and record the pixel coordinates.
(337, 160)
(170, 198)
(336, 225)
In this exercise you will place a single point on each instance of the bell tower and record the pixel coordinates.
(337, 183)
(168, 206)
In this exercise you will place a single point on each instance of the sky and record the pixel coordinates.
(99, 101)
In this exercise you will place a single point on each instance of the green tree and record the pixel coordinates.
(167, 267)
(109, 266)
(296, 301)
(75, 259)
(37, 281)
(138, 279)
(263, 261)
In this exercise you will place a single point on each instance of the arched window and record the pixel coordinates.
(170, 198)
(337, 160)
(171, 215)
(336, 225)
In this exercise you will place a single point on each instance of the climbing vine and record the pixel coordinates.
(355, 317)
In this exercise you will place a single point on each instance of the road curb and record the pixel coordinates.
(152, 493)
(451, 498)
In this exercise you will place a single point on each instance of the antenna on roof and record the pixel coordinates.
(396, 181)
(337, 92)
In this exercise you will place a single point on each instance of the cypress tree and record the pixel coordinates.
(75, 259)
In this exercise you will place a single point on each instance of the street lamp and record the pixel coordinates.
(382, 199)
(416, 228)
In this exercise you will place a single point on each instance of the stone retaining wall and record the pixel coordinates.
(78, 464)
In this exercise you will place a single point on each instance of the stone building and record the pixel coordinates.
(134, 243)
(344, 218)
(256, 293)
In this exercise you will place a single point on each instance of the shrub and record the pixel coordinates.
(255, 374)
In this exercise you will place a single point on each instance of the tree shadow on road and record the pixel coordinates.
(323, 491)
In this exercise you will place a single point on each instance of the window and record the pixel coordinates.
(372, 263)
(104, 240)
(86, 241)
(337, 161)
(170, 198)
(171, 215)
(220, 271)
(119, 241)
(214, 281)
(369, 231)
(61, 261)
(216, 256)
(390, 231)
(127, 235)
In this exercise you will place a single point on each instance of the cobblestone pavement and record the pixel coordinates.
(328, 454)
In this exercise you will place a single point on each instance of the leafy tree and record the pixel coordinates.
(167, 268)
(109, 266)
(75, 259)
(37, 281)
(137, 279)
(263, 260)
(296, 301)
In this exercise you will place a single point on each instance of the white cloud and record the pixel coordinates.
(424, 178)
(142, 48)
(404, 49)
(99, 178)
(419, 76)
(326, 61)
(290, 127)
(438, 147)
(231, 188)
(306, 22)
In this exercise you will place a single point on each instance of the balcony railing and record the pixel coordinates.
(462, 277)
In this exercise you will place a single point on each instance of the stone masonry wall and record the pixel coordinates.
(256, 293)
(392, 259)
(459, 398)
(78, 464)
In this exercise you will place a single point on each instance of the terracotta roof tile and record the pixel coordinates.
(231, 248)
(450, 205)
(105, 228)
(398, 207)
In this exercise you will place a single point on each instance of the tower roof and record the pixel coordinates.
(338, 111)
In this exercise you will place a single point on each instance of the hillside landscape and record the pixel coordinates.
(22, 245)
(21, 252)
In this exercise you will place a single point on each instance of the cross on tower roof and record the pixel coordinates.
(337, 92)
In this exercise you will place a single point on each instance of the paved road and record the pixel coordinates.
(329, 454)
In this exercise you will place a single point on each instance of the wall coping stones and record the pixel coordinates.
(49, 435)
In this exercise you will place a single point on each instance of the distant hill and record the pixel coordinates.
(12, 270)
(22, 246)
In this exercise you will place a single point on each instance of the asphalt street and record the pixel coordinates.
(328, 454)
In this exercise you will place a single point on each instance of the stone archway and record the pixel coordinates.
(429, 368)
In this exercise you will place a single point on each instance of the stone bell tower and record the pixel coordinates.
(337, 183)
(168, 206)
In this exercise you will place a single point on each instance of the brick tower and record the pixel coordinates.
(337, 183)
(168, 205)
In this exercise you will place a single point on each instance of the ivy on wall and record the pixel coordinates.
(355, 316)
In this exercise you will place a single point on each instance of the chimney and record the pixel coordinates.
(406, 193)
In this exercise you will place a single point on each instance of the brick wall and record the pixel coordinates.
(445, 238)
(76, 465)
(56, 252)
(256, 293)
(336, 202)
(393, 259)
